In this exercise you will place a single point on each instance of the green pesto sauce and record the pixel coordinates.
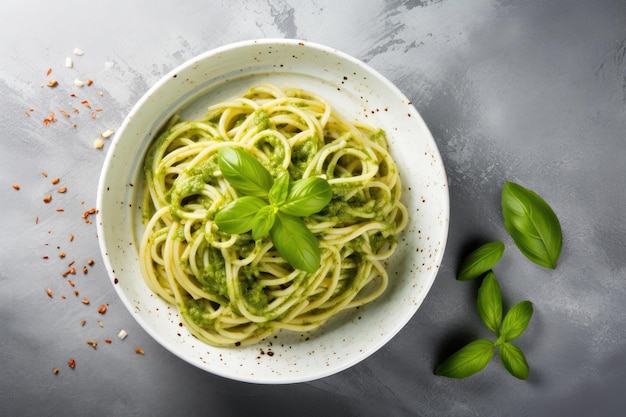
(198, 311)
(301, 156)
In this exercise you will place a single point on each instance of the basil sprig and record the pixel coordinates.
(536, 231)
(474, 357)
(532, 224)
(272, 207)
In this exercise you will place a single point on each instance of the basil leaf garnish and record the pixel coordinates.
(532, 224)
(279, 191)
(307, 196)
(467, 361)
(480, 261)
(263, 222)
(244, 172)
(489, 302)
(514, 360)
(516, 320)
(295, 242)
(237, 217)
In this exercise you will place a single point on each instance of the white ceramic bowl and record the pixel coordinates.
(355, 91)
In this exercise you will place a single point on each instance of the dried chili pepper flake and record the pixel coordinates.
(71, 263)
(86, 104)
(108, 341)
(49, 72)
(37, 220)
(49, 292)
(73, 271)
(50, 119)
(71, 237)
(26, 113)
(93, 114)
(76, 293)
(73, 124)
(66, 273)
(85, 270)
(56, 181)
(139, 351)
(62, 189)
(72, 363)
(64, 113)
(76, 110)
(53, 83)
(63, 297)
(60, 210)
(62, 255)
(83, 322)
(47, 198)
(55, 371)
(45, 257)
(89, 82)
(45, 174)
(90, 262)
(85, 301)
(102, 309)
(93, 343)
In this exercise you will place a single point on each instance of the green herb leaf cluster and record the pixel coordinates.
(474, 357)
(536, 231)
(273, 207)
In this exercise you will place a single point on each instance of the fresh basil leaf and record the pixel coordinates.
(244, 172)
(263, 222)
(480, 261)
(489, 302)
(514, 360)
(467, 361)
(236, 218)
(295, 242)
(532, 224)
(516, 320)
(279, 191)
(307, 196)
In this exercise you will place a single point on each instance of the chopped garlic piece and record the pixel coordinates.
(122, 334)
(68, 62)
(107, 134)
(78, 83)
(98, 144)
(78, 52)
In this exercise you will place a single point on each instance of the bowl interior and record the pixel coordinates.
(356, 92)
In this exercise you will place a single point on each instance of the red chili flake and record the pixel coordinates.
(49, 292)
(93, 114)
(72, 363)
(85, 270)
(85, 300)
(16, 186)
(64, 113)
(49, 72)
(62, 190)
(47, 198)
(37, 220)
(69, 281)
(45, 256)
(71, 237)
(62, 255)
(55, 371)
(86, 104)
(76, 293)
(63, 297)
(66, 273)
(89, 82)
(82, 322)
(50, 119)
(108, 341)
(56, 181)
(45, 174)
(90, 262)
(52, 83)
(60, 210)
(93, 344)
(73, 271)
(139, 351)
(102, 309)
(76, 110)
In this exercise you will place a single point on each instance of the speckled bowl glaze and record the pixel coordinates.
(357, 92)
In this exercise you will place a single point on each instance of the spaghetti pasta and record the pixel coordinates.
(232, 290)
